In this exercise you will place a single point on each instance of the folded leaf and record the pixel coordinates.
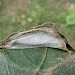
(42, 36)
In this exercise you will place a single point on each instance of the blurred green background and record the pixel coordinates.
(16, 15)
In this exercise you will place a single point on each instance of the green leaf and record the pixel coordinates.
(38, 61)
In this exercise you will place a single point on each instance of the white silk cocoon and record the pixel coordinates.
(36, 39)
